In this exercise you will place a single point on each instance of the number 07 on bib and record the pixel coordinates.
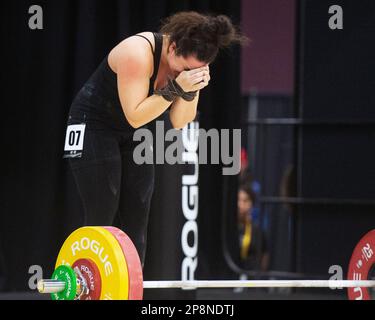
(74, 141)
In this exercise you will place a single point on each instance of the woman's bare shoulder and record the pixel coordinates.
(133, 46)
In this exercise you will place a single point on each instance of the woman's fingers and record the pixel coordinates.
(195, 71)
(208, 78)
(200, 85)
(194, 80)
(202, 79)
(198, 75)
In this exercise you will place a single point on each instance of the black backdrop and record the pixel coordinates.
(41, 72)
(336, 82)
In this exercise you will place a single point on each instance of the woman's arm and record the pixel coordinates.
(183, 112)
(133, 77)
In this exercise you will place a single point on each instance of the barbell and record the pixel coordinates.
(102, 263)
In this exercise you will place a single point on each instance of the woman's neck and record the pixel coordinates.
(245, 220)
(164, 55)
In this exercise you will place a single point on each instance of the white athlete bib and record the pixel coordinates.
(74, 141)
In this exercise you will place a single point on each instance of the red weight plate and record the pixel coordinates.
(362, 260)
(90, 272)
(133, 263)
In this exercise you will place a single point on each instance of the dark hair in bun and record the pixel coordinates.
(201, 35)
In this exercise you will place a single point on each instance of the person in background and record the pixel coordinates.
(253, 247)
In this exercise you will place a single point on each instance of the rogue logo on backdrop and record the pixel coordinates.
(190, 202)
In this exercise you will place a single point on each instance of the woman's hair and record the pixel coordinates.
(249, 191)
(201, 35)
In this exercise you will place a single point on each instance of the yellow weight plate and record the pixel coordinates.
(101, 247)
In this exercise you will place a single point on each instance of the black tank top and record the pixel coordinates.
(99, 100)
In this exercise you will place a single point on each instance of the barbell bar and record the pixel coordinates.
(51, 286)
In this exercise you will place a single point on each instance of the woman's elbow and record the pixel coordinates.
(134, 124)
(178, 126)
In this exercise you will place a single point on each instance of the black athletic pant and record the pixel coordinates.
(113, 189)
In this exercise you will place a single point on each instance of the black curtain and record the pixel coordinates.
(335, 82)
(42, 70)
